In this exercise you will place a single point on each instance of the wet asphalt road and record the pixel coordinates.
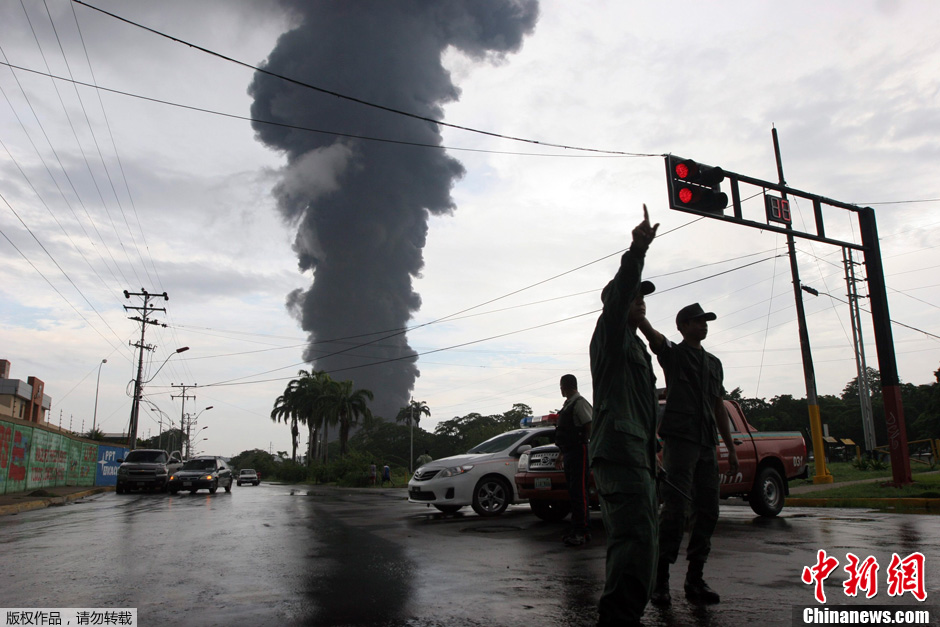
(282, 555)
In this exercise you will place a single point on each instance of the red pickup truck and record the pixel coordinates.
(766, 462)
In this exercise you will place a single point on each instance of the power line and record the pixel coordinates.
(56, 290)
(359, 100)
(65, 173)
(78, 142)
(94, 138)
(310, 129)
(906, 326)
(237, 381)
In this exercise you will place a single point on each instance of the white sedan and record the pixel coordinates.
(484, 478)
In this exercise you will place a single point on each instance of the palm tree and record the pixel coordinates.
(412, 412)
(285, 410)
(345, 406)
(95, 434)
(310, 390)
(302, 402)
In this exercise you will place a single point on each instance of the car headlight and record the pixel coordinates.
(456, 470)
(523, 463)
(172, 477)
(208, 477)
(122, 470)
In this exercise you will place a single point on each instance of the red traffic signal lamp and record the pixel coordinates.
(695, 185)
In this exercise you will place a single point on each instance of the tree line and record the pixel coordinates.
(315, 400)
(843, 413)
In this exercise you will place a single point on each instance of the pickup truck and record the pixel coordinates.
(147, 469)
(766, 462)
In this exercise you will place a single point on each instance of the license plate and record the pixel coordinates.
(543, 483)
(186, 484)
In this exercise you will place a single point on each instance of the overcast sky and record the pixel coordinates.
(185, 201)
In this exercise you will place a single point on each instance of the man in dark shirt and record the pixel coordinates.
(572, 433)
(623, 439)
(695, 412)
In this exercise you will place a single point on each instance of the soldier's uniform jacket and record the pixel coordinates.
(573, 415)
(624, 426)
(693, 381)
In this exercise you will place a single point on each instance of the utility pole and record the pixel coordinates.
(411, 430)
(183, 426)
(809, 373)
(864, 392)
(144, 320)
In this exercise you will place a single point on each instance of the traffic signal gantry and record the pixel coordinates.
(695, 188)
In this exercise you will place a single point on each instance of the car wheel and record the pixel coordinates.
(551, 511)
(119, 489)
(213, 489)
(766, 498)
(172, 491)
(228, 488)
(448, 509)
(193, 491)
(239, 484)
(491, 496)
(257, 482)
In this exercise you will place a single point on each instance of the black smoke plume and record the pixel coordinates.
(361, 207)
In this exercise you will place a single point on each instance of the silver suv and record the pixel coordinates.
(146, 469)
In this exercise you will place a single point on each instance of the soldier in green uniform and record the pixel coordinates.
(622, 449)
(695, 412)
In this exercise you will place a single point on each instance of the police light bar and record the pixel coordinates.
(539, 421)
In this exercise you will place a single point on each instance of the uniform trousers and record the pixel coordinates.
(691, 468)
(576, 473)
(628, 507)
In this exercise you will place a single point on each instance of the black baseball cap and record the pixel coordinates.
(646, 287)
(691, 312)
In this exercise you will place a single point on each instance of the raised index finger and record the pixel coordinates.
(646, 214)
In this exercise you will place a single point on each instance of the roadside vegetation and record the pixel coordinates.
(926, 486)
(343, 436)
(851, 471)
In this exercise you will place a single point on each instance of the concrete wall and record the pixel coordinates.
(32, 457)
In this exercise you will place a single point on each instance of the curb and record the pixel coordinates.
(31, 503)
(873, 503)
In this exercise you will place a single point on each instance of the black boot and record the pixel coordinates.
(661, 596)
(696, 590)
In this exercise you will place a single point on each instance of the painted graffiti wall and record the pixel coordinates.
(32, 458)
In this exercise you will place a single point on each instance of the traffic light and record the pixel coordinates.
(695, 185)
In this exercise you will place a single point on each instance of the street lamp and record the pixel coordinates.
(163, 415)
(189, 424)
(94, 421)
(138, 392)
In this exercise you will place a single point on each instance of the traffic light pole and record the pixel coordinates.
(884, 342)
(778, 212)
(809, 372)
